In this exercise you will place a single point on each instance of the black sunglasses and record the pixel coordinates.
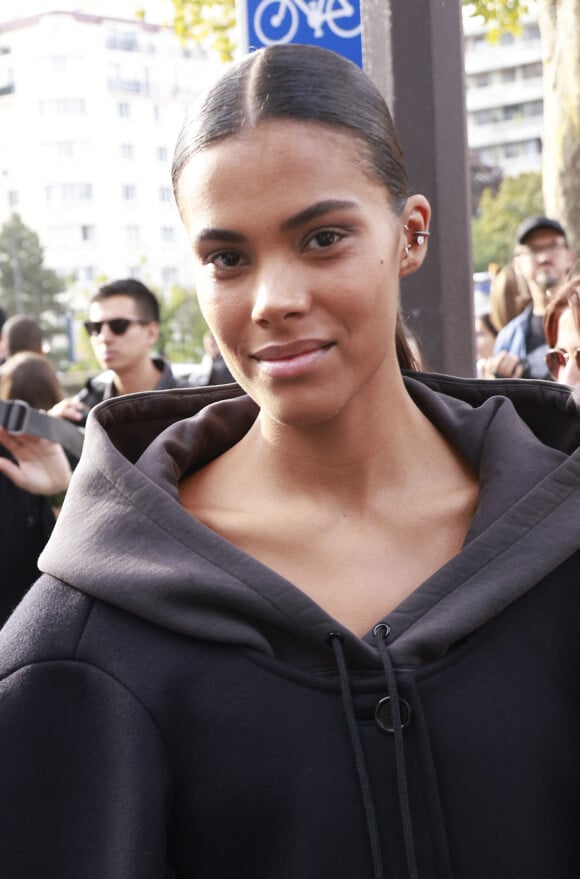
(118, 325)
(557, 358)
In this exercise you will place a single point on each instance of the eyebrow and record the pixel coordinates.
(316, 210)
(227, 235)
(293, 222)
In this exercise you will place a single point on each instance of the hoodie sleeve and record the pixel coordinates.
(85, 780)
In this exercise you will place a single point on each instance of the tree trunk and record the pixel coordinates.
(560, 27)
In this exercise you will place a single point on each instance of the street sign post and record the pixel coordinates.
(332, 24)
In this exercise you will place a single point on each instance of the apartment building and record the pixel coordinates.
(504, 96)
(90, 108)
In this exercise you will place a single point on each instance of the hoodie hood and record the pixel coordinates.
(124, 538)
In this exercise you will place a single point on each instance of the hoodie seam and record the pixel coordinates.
(199, 551)
(83, 662)
(481, 568)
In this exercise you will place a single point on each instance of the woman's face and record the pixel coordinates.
(568, 341)
(297, 256)
(484, 339)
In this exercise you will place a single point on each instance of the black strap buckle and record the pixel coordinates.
(14, 415)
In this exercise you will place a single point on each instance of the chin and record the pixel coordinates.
(300, 410)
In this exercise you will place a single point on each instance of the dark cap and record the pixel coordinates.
(533, 224)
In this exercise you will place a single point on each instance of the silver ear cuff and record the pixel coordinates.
(418, 237)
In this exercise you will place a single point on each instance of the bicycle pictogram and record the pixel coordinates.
(276, 21)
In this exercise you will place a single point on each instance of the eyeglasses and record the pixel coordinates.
(557, 359)
(550, 248)
(118, 325)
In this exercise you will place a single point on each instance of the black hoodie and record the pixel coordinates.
(171, 707)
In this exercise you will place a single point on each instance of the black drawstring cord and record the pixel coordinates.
(381, 633)
(335, 639)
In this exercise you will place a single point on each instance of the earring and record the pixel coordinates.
(407, 249)
(418, 237)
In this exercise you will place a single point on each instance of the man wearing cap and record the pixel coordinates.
(543, 258)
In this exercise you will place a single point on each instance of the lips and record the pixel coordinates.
(292, 360)
(290, 350)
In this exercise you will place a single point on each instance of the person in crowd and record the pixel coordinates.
(324, 621)
(33, 475)
(2, 322)
(509, 294)
(543, 258)
(485, 335)
(123, 326)
(30, 377)
(562, 328)
(212, 370)
(20, 333)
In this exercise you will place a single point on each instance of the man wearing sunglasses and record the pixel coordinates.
(123, 326)
(542, 257)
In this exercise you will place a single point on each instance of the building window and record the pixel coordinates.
(168, 234)
(487, 117)
(12, 198)
(165, 194)
(169, 275)
(58, 63)
(125, 41)
(68, 193)
(531, 32)
(533, 108)
(128, 192)
(533, 147)
(508, 74)
(64, 149)
(162, 154)
(123, 110)
(132, 235)
(513, 111)
(87, 233)
(127, 151)
(533, 71)
(63, 107)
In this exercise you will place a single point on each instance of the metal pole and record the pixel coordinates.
(413, 51)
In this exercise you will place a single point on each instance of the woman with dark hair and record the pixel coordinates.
(323, 623)
(30, 377)
(26, 508)
(562, 329)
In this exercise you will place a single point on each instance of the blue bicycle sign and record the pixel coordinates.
(333, 24)
(276, 21)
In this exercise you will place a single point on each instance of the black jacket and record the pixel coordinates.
(170, 707)
(102, 387)
(26, 522)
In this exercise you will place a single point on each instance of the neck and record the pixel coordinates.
(539, 298)
(143, 377)
(361, 452)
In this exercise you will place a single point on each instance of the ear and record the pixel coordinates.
(153, 332)
(415, 218)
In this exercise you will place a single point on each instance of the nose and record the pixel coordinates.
(106, 333)
(281, 294)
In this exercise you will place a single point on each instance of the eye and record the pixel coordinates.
(227, 259)
(323, 239)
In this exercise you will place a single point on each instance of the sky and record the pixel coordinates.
(157, 10)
